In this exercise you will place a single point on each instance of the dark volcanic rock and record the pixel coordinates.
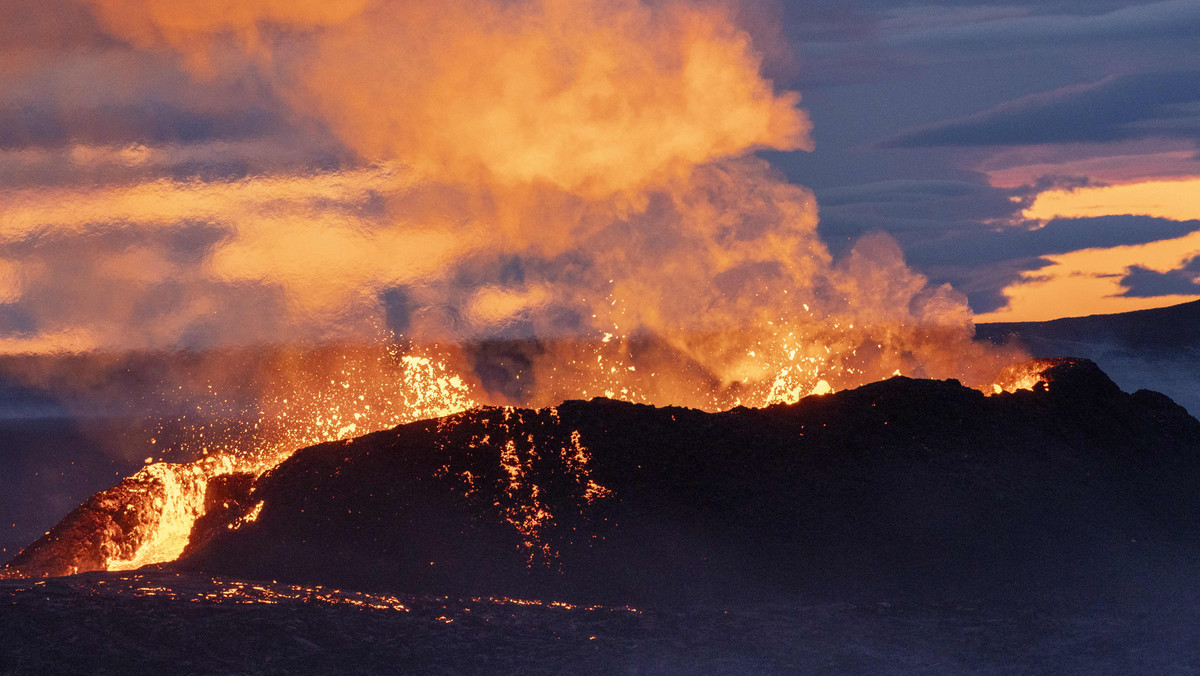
(226, 499)
(903, 487)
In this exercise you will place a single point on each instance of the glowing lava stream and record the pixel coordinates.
(426, 389)
(181, 503)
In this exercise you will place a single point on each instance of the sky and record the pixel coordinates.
(1039, 156)
(236, 172)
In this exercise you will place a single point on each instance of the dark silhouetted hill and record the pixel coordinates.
(905, 488)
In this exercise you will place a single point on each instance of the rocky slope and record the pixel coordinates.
(904, 487)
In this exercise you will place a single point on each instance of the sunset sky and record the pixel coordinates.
(1040, 156)
(180, 174)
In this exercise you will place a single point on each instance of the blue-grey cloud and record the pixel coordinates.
(1059, 236)
(1143, 282)
(984, 285)
(982, 262)
(890, 41)
(1146, 105)
(915, 212)
(1170, 19)
(926, 207)
(48, 125)
(972, 236)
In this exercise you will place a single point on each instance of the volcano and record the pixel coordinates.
(902, 488)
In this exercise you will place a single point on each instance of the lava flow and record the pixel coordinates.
(416, 387)
(149, 517)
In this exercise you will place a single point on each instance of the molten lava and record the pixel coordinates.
(151, 518)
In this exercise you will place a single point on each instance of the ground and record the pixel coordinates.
(165, 622)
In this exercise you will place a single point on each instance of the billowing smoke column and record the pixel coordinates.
(574, 176)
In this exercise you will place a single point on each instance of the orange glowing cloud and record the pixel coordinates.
(297, 236)
(592, 96)
(197, 29)
(1089, 281)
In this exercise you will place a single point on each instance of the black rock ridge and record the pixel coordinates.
(904, 487)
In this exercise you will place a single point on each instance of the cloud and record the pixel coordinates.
(561, 170)
(1131, 161)
(974, 236)
(164, 263)
(98, 95)
(882, 41)
(1093, 280)
(1139, 106)
(1174, 199)
(913, 209)
(1059, 236)
(35, 27)
(977, 27)
(983, 261)
(511, 92)
(1142, 282)
(143, 122)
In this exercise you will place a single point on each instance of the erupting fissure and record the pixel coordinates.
(422, 388)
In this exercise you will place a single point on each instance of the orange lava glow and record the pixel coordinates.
(218, 591)
(395, 389)
(1023, 376)
(373, 391)
(183, 502)
(522, 507)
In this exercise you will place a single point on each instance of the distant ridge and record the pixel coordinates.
(1166, 329)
